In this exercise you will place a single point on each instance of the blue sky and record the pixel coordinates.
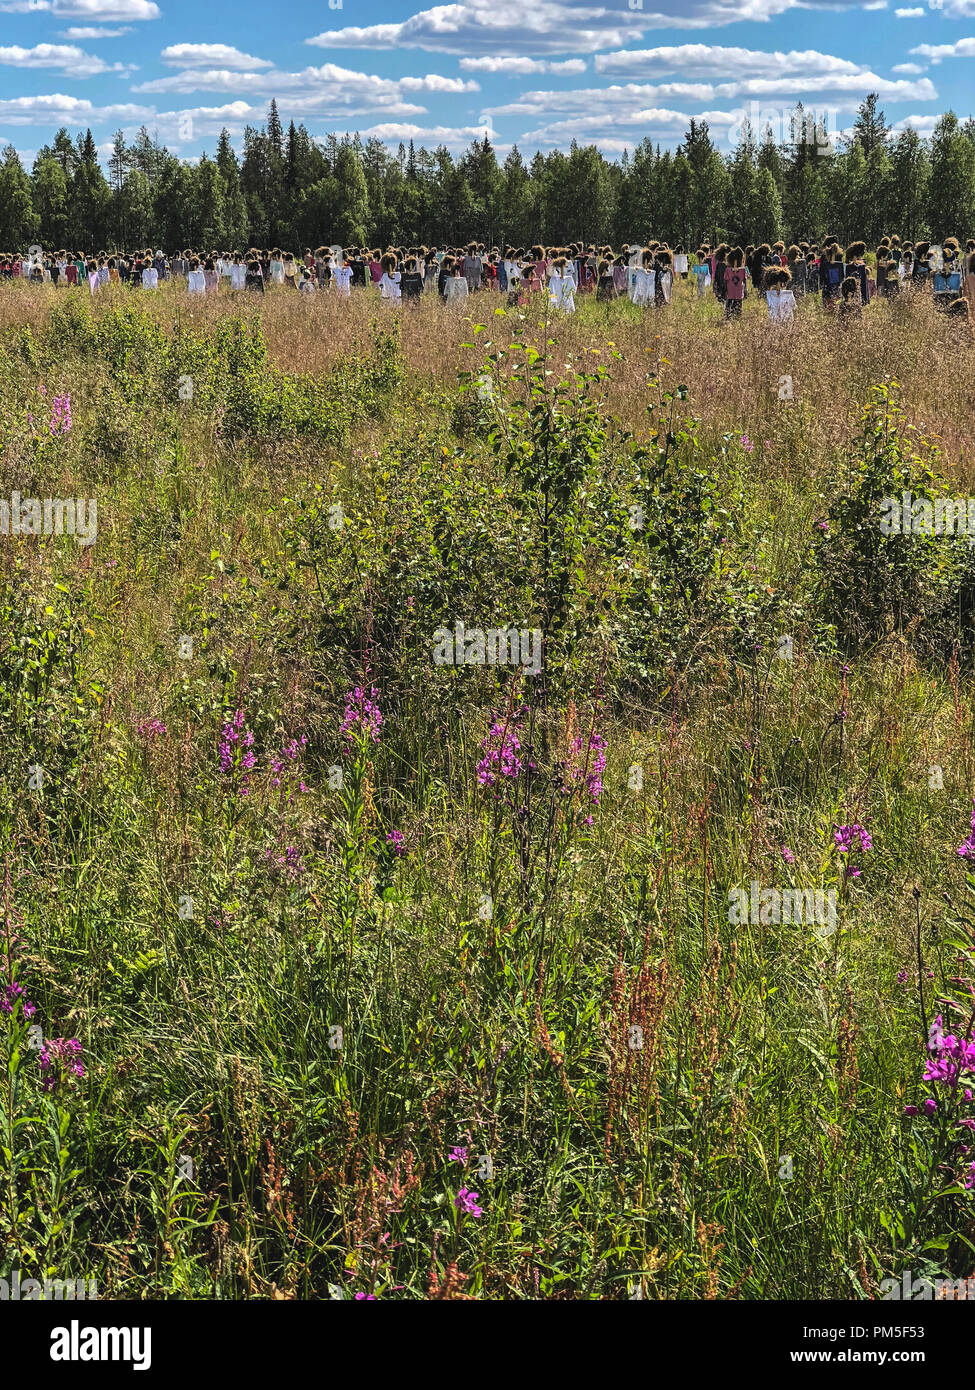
(536, 74)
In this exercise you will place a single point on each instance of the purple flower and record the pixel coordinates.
(844, 836)
(585, 772)
(236, 750)
(747, 444)
(929, 1106)
(787, 855)
(501, 747)
(61, 415)
(366, 1298)
(60, 1059)
(902, 977)
(281, 767)
(396, 841)
(458, 1154)
(466, 1203)
(362, 715)
(847, 838)
(150, 729)
(289, 862)
(13, 994)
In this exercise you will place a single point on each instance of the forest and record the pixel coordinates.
(293, 188)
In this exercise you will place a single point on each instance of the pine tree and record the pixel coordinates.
(951, 190)
(18, 221)
(49, 197)
(352, 198)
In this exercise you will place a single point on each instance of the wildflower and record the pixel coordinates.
(747, 444)
(396, 841)
(930, 1106)
(61, 415)
(362, 715)
(236, 745)
(585, 773)
(466, 1203)
(458, 1154)
(281, 769)
(365, 1298)
(847, 837)
(822, 526)
(787, 855)
(289, 862)
(60, 1059)
(150, 728)
(902, 977)
(501, 747)
(13, 994)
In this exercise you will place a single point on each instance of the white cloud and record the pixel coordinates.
(908, 68)
(455, 138)
(211, 55)
(964, 48)
(57, 109)
(97, 10)
(327, 92)
(72, 61)
(622, 101)
(924, 125)
(712, 60)
(524, 67)
(469, 27)
(916, 13)
(90, 32)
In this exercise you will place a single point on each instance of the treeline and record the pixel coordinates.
(292, 189)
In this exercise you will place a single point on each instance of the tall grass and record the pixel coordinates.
(325, 981)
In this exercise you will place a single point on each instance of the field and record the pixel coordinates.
(416, 980)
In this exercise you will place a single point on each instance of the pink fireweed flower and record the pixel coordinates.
(850, 837)
(150, 728)
(60, 1060)
(502, 751)
(61, 415)
(363, 718)
(236, 751)
(584, 770)
(466, 1203)
(13, 994)
(844, 836)
(288, 863)
(284, 767)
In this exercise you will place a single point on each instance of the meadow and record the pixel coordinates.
(410, 980)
